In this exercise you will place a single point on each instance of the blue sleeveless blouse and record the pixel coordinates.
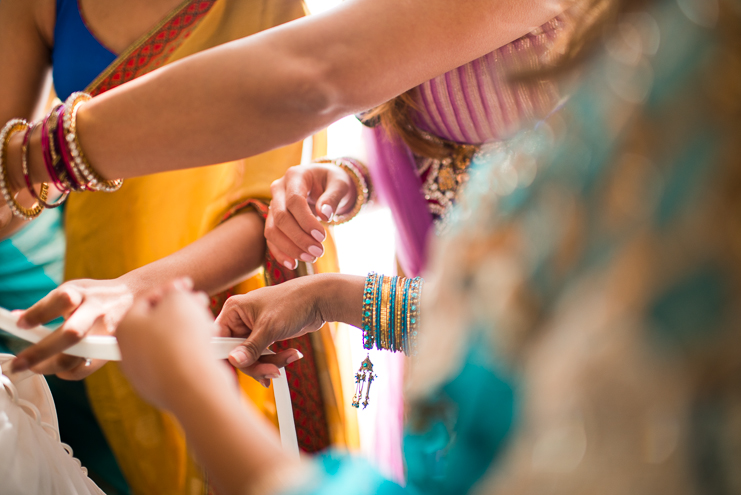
(77, 57)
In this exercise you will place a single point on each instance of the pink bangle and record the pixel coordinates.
(46, 152)
(75, 183)
(49, 168)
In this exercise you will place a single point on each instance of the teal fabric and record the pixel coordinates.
(32, 261)
(451, 438)
(468, 418)
(31, 266)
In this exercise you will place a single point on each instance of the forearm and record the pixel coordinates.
(278, 86)
(236, 446)
(340, 297)
(217, 261)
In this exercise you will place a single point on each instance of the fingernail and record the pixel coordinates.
(289, 265)
(273, 376)
(18, 365)
(318, 235)
(307, 258)
(239, 357)
(316, 251)
(265, 383)
(22, 324)
(294, 358)
(327, 211)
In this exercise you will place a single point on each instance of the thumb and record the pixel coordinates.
(339, 191)
(249, 351)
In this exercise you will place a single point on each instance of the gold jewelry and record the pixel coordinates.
(398, 308)
(12, 127)
(385, 293)
(81, 167)
(359, 175)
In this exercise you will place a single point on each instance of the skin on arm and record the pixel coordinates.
(289, 310)
(26, 33)
(283, 84)
(217, 261)
(164, 345)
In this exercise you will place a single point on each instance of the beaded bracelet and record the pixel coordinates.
(66, 171)
(12, 127)
(390, 320)
(368, 295)
(92, 180)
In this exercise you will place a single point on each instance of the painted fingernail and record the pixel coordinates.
(22, 324)
(327, 211)
(273, 376)
(289, 265)
(307, 258)
(294, 358)
(239, 357)
(318, 235)
(316, 251)
(18, 365)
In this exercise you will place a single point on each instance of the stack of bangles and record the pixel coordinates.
(65, 162)
(360, 177)
(391, 313)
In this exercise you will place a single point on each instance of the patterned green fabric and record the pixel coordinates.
(591, 272)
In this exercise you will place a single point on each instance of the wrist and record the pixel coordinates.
(340, 297)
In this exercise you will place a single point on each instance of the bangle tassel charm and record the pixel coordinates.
(363, 377)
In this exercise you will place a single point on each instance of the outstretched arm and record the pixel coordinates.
(278, 86)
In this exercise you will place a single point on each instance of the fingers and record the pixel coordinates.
(338, 193)
(57, 342)
(60, 302)
(82, 370)
(268, 366)
(292, 227)
(299, 184)
(284, 229)
(59, 363)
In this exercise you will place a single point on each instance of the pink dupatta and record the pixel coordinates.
(472, 104)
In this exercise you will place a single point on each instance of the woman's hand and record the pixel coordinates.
(285, 311)
(304, 193)
(89, 307)
(164, 340)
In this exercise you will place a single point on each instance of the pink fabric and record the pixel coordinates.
(472, 104)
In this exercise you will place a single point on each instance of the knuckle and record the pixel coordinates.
(295, 200)
(280, 217)
(252, 351)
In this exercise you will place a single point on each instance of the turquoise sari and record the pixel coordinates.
(580, 322)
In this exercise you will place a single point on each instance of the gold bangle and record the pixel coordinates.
(12, 127)
(358, 174)
(399, 310)
(385, 293)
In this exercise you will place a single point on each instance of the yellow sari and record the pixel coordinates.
(152, 217)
